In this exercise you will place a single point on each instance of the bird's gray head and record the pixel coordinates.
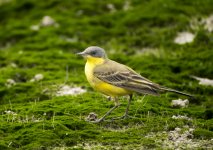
(93, 51)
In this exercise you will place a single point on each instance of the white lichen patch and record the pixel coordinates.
(37, 77)
(69, 39)
(68, 90)
(79, 12)
(48, 21)
(204, 81)
(127, 5)
(208, 23)
(180, 103)
(35, 27)
(14, 65)
(9, 83)
(181, 117)
(179, 138)
(199, 23)
(147, 50)
(9, 112)
(111, 7)
(184, 37)
(14, 117)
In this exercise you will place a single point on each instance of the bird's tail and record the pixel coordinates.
(175, 91)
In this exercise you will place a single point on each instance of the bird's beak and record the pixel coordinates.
(81, 54)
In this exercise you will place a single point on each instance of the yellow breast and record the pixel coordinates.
(99, 85)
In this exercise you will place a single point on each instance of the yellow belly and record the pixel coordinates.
(101, 86)
(110, 90)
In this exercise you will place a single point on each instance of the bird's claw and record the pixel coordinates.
(110, 120)
(122, 117)
(96, 121)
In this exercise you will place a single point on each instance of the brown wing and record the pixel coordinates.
(124, 77)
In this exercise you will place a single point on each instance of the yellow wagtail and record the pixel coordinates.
(114, 79)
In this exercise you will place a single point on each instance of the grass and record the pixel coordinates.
(33, 117)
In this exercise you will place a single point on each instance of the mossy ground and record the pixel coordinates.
(32, 117)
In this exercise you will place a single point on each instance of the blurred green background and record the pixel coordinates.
(168, 41)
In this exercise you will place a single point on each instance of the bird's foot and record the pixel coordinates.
(110, 120)
(96, 121)
(125, 116)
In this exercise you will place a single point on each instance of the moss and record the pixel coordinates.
(204, 134)
(32, 117)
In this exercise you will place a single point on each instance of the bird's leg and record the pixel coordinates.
(127, 109)
(104, 116)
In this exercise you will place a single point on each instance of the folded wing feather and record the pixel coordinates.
(124, 77)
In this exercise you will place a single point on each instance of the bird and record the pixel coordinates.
(114, 79)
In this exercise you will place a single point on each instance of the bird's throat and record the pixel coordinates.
(91, 63)
(95, 61)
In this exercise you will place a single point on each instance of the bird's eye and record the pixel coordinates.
(93, 53)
